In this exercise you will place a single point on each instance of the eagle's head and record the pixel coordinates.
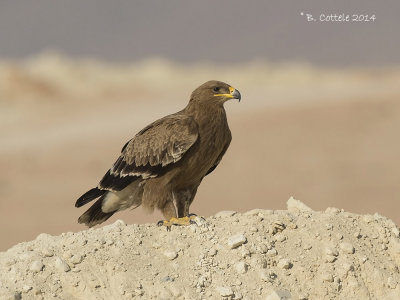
(214, 91)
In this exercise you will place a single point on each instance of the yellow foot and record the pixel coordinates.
(177, 221)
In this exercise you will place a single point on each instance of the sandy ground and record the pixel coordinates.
(261, 254)
(325, 135)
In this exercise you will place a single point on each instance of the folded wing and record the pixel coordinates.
(157, 146)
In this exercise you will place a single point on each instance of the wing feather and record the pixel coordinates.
(158, 145)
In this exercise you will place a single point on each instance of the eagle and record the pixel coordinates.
(162, 166)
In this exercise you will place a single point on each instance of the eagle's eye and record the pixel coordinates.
(216, 89)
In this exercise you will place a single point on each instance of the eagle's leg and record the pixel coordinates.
(176, 212)
(169, 221)
(186, 220)
(188, 201)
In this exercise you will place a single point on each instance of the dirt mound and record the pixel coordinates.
(261, 254)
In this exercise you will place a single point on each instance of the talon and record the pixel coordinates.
(193, 216)
(165, 223)
(175, 221)
(188, 220)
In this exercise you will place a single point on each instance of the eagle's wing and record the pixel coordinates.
(158, 145)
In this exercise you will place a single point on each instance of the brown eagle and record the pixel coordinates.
(164, 164)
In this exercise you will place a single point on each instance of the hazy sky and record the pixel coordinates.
(206, 30)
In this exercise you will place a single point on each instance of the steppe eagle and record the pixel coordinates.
(164, 164)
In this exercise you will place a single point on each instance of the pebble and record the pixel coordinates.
(167, 278)
(225, 213)
(236, 240)
(76, 259)
(36, 266)
(156, 245)
(119, 223)
(279, 295)
(171, 255)
(278, 226)
(201, 282)
(26, 288)
(272, 252)
(347, 248)
(327, 277)
(267, 276)
(262, 248)
(47, 252)
(280, 237)
(253, 229)
(224, 291)
(284, 264)
(297, 205)
(330, 258)
(377, 216)
(339, 236)
(245, 252)
(396, 232)
(368, 218)
(241, 267)
(61, 265)
(212, 252)
(67, 254)
(344, 269)
(332, 210)
(331, 251)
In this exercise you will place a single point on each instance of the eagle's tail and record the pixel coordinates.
(89, 196)
(95, 215)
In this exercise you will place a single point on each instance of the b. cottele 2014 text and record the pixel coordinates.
(341, 17)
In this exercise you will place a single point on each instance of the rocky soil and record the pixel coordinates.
(261, 254)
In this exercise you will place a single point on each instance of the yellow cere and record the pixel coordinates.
(231, 91)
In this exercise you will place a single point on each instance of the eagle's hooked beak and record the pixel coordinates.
(233, 93)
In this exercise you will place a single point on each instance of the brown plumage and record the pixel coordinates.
(163, 165)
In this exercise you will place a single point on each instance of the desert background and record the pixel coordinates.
(319, 117)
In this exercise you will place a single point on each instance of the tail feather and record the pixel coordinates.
(94, 215)
(89, 196)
